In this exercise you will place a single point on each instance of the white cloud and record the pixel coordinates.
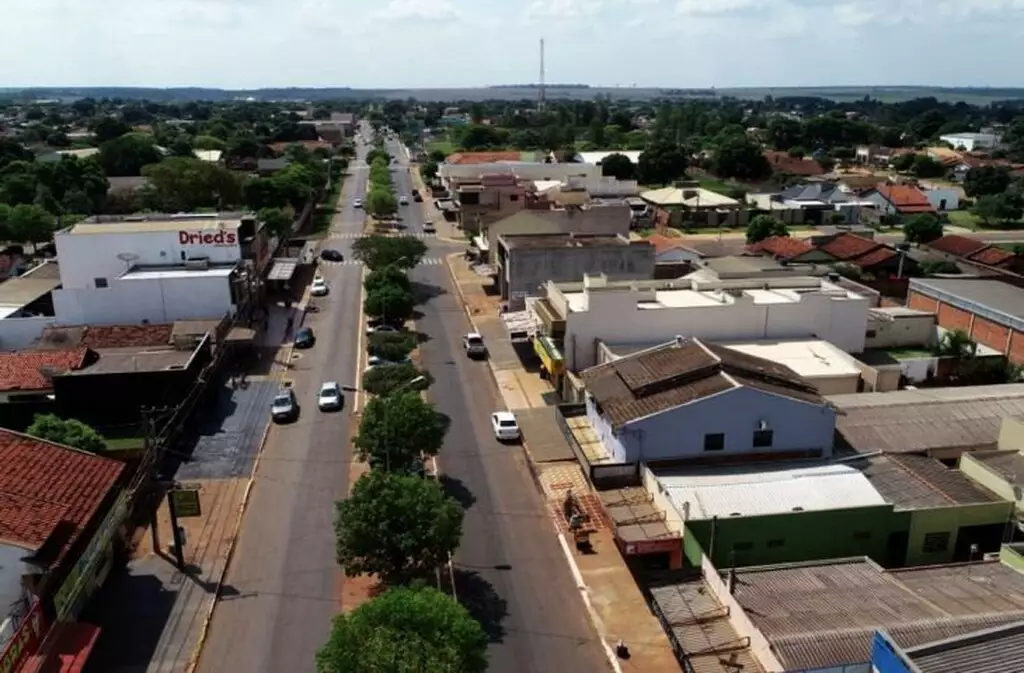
(562, 9)
(716, 7)
(420, 10)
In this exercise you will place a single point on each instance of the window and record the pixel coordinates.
(101, 283)
(513, 197)
(871, 334)
(935, 542)
(762, 439)
(714, 441)
(469, 198)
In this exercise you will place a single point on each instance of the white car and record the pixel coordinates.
(358, 203)
(319, 287)
(506, 429)
(374, 329)
(330, 397)
(284, 408)
(377, 361)
(428, 228)
(403, 200)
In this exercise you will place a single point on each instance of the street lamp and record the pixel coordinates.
(416, 380)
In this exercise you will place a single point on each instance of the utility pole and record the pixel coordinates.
(541, 93)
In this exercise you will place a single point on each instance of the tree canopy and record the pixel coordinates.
(405, 629)
(620, 166)
(660, 164)
(392, 346)
(986, 180)
(67, 431)
(922, 228)
(997, 210)
(127, 154)
(761, 227)
(386, 276)
(395, 430)
(396, 526)
(389, 302)
(375, 252)
(386, 380)
(380, 203)
(186, 184)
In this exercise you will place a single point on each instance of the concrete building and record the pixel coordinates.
(526, 263)
(690, 400)
(996, 649)
(708, 304)
(971, 142)
(491, 196)
(158, 268)
(461, 166)
(605, 218)
(991, 312)
(26, 306)
(690, 205)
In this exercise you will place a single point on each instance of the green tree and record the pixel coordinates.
(395, 526)
(930, 268)
(739, 157)
(661, 163)
(393, 346)
(209, 143)
(619, 166)
(926, 167)
(380, 203)
(29, 223)
(405, 629)
(922, 228)
(69, 432)
(126, 155)
(277, 221)
(389, 302)
(109, 128)
(765, 226)
(386, 380)
(997, 210)
(986, 180)
(261, 193)
(428, 170)
(396, 430)
(376, 252)
(387, 276)
(185, 184)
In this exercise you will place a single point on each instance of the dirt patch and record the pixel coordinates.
(354, 591)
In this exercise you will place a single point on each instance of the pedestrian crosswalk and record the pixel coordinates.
(426, 261)
(352, 235)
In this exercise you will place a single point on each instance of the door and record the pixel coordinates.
(896, 549)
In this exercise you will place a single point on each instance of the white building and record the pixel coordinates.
(156, 269)
(701, 306)
(596, 158)
(943, 198)
(971, 141)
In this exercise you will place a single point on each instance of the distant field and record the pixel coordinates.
(888, 94)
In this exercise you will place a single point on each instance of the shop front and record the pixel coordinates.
(26, 640)
(551, 359)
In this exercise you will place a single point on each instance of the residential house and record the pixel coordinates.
(824, 203)
(270, 166)
(790, 249)
(490, 197)
(26, 302)
(957, 248)
(525, 263)
(902, 200)
(868, 255)
(61, 516)
(27, 381)
(971, 142)
(943, 199)
(787, 166)
(672, 250)
(687, 204)
(693, 400)
(209, 156)
(873, 154)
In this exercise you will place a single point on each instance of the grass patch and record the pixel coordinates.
(440, 145)
(963, 218)
(325, 210)
(124, 443)
(909, 353)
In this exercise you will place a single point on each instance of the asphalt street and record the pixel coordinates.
(509, 569)
(281, 588)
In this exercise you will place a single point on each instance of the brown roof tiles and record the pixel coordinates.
(783, 247)
(846, 247)
(993, 256)
(465, 158)
(676, 374)
(29, 371)
(781, 162)
(961, 246)
(49, 493)
(906, 199)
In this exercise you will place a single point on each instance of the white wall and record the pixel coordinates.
(155, 300)
(986, 140)
(18, 333)
(526, 171)
(937, 196)
(614, 318)
(85, 257)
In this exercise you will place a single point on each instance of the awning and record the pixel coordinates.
(66, 649)
(481, 243)
(549, 354)
(283, 269)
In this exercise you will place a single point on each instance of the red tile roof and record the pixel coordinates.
(28, 370)
(48, 490)
(992, 256)
(906, 198)
(781, 162)
(784, 247)
(127, 336)
(664, 243)
(960, 246)
(846, 247)
(878, 256)
(464, 158)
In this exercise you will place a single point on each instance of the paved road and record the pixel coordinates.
(510, 569)
(281, 589)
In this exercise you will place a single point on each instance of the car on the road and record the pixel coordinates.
(357, 203)
(284, 408)
(403, 200)
(505, 426)
(428, 228)
(319, 288)
(330, 397)
(331, 255)
(305, 338)
(474, 345)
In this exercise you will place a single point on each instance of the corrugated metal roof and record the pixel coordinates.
(283, 269)
(996, 650)
(765, 489)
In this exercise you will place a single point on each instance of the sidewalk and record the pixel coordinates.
(616, 606)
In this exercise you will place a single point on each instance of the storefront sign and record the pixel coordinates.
(79, 582)
(220, 238)
(185, 502)
(651, 547)
(26, 640)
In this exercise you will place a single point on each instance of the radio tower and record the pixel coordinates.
(541, 93)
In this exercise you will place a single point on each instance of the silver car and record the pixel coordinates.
(330, 397)
(285, 408)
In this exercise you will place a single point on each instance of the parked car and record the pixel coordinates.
(428, 228)
(305, 338)
(331, 255)
(284, 408)
(330, 397)
(505, 426)
(357, 203)
(474, 345)
(376, 361)
(319, 287)
(377, 326)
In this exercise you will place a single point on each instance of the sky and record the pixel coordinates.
(465, 43)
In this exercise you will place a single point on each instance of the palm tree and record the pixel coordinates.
(958, 344)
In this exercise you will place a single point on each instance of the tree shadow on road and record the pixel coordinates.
(424, 292)
(483, 602)
(457, 490)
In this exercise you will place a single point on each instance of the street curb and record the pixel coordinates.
(193, 661)
(581, 585)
